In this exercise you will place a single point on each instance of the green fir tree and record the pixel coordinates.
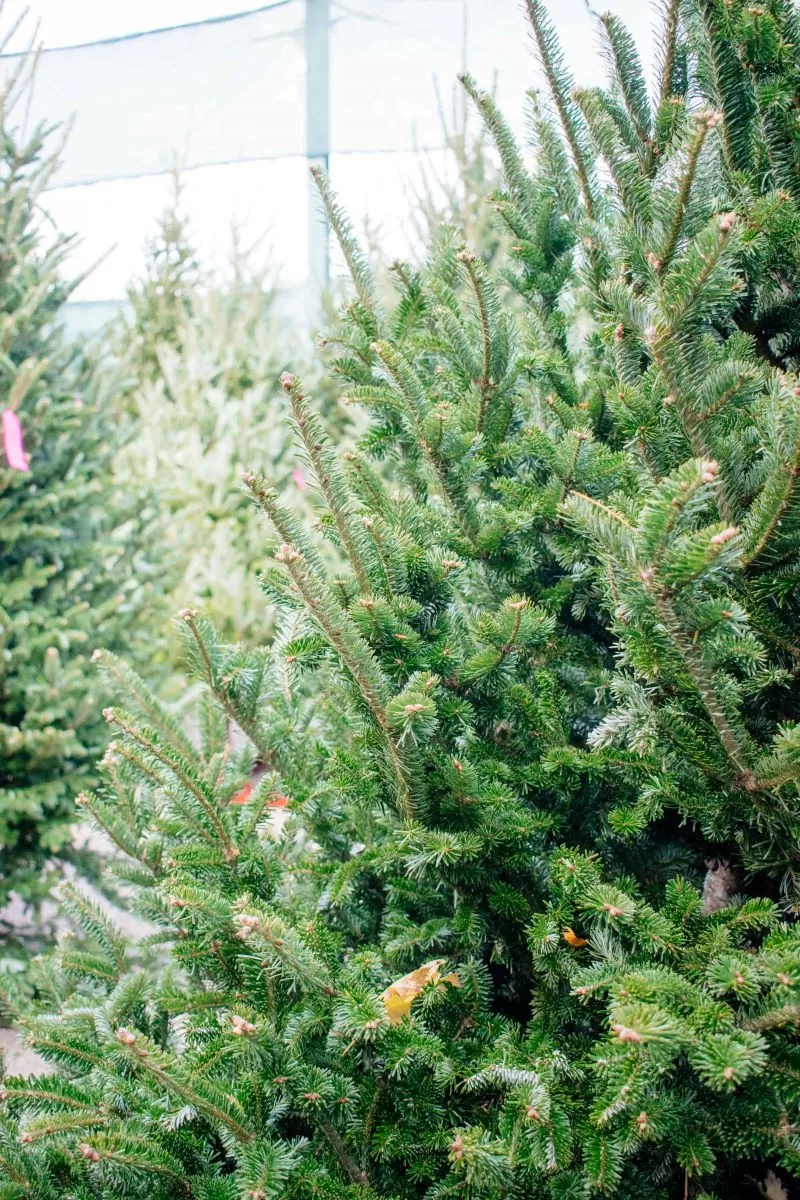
(70, 572)
(529, 927)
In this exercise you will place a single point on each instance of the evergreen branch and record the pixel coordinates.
(629, 74)
(348, 1164)
(514, 170)
(333, 489)
(97, 924)
(549, 55)
(146, 702)
(179, 769)
(140, 1161)
(161, 1068)
(776, 1018)
(784, 501)
(704, 124)
(355, 656)
(399, 371)
(13, 1172)
(41, 1044)
(38, 1130)
(293, 954)
(691, 421)
(343, 231)
(43, 1094)
(732, 89)
(613, 513)
(710, 261)
(670, 39)
(248, 724)
(702, 680)
(281, 518)
(90, 804)
(485, 384)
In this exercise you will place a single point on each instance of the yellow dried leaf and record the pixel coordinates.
(400, 995)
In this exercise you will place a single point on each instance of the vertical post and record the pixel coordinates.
(317, 134)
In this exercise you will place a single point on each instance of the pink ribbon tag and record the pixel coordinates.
(12, 441)
(299, 478)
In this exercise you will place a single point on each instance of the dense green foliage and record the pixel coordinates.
(529, 930)
(68, 576)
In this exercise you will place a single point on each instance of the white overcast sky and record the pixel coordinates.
(268, 199)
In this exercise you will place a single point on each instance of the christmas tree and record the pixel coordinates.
(70, 578)
(194, 366)
(527, 929)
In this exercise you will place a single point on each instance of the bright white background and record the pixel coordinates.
(113, 218)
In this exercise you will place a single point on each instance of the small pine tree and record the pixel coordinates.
(193, 366)
(529, 929)
(67, 541)
(163, 297)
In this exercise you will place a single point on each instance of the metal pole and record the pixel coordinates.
(317, 134)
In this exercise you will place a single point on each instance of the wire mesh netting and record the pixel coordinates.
(233, 89)
(225, 100)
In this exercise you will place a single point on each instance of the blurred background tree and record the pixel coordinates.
(72, 572)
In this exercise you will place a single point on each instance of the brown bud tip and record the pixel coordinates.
(247, 920)
(642, 1120)
(625, 1034)
(533, 1114)
(286, 553)
(727, 221)
(187, 614)
(647, 575)
(654, 260)
(26, 1138)
(288, 381)
(725, 535)
(619, 333)
(456, 1147)
(97, 655)
(89, 1152)
(414, 708)
(108, 713)
(728, 1073)
(125, 1036)
(708, 470)
(240, 1026)
(466, 256)
(248, 478)
(651, 335)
